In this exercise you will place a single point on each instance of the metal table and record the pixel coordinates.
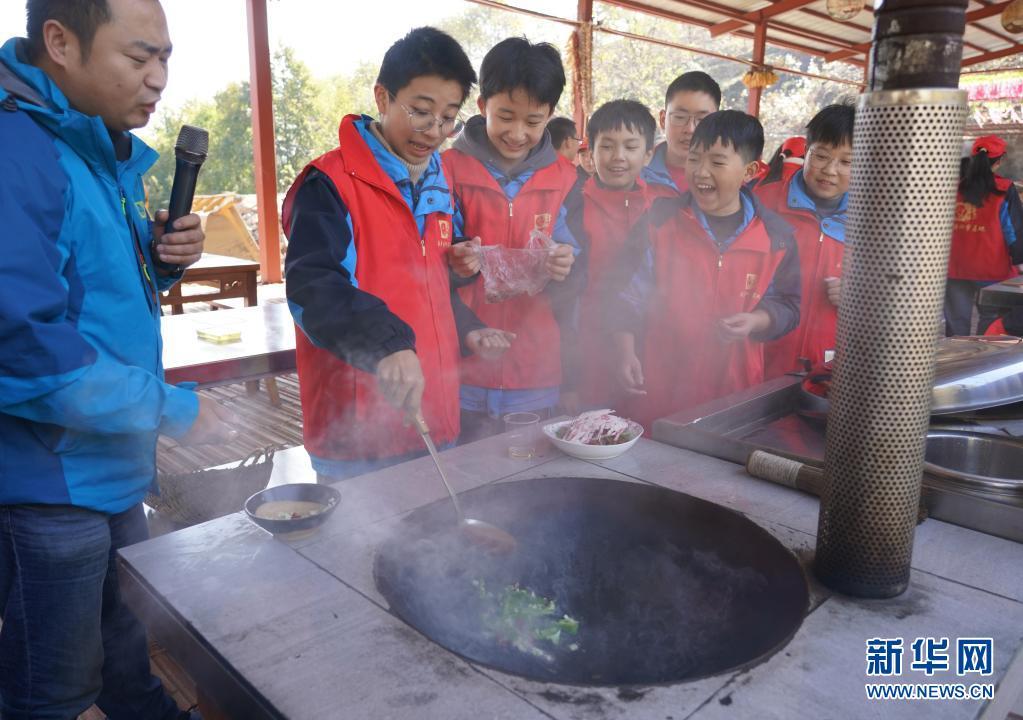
(266, 348)
(1006, 294)
(272, 629)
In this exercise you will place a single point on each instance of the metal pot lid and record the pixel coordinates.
(973, 373)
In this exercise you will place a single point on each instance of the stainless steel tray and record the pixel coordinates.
(764, 418)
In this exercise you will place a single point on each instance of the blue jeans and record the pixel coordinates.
(67, 641)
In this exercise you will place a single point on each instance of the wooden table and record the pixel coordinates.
(266, 348)
(234, 278)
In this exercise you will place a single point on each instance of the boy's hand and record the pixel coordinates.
(630, 369)
(464, 258)
(741, 325)
(834, 286)
(630, 374)
(180, 246)
(559, 261)
(401, 382)
(489, 343)
(214, 425)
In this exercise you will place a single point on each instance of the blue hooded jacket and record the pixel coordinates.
(82, 397)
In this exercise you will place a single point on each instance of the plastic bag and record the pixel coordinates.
(508, 272)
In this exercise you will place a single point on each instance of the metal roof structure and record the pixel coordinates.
(805, 26)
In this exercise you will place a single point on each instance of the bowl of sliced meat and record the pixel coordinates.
(594, 435)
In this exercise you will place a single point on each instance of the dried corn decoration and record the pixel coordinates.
(843, 10)
(759, 78)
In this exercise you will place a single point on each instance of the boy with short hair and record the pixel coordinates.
(564, 137)
(621, 133)
(369, 226)
(713, 276)
(508, 180)
(690, 98)
(814, 201)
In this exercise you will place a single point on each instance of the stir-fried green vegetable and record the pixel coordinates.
(521, 618)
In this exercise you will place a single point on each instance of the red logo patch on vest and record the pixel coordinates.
(751, 284)
(445, 232)
(542, 221)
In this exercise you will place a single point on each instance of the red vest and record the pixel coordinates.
(608, 216)
(684, 361)
(344, 416)
(534, 360)
(820, 256)
(978, 243)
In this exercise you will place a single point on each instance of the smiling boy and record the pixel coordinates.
(621, 133)
(690, 98)
(814, 201)
(714, 275)
(508, 180)
(369, 225)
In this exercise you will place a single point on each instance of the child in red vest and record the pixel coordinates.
(690, 98)
(786, 162)
(712, 275)
(508, 180)
(369, 225)
(986, 243)
(813, 201)
(621, 134)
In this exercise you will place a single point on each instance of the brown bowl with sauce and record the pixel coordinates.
(292, 511)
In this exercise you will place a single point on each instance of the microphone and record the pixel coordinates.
(190, 150)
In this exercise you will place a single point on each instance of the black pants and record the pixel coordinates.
(960, 301)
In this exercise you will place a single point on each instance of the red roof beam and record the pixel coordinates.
(976, 59)
(758, 16)
(679, 17)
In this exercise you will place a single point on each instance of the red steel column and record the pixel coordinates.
(263, 151)
(759, 50)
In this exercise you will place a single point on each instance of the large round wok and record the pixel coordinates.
(664, 587)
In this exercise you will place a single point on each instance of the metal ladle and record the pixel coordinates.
(491, 537)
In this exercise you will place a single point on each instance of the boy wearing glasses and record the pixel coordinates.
(690, 98)
(369, 225)
(509, 180)
(709, 277)
(814, 202)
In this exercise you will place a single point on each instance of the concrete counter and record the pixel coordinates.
(297, 630)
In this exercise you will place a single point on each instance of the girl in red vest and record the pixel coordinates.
(814, 202)
(986, 243)
(369, 226)
(786, 162)
(621, 133)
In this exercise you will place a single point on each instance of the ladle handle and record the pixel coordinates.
(424, 432)
(419, 423)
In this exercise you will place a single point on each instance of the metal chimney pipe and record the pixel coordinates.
(906, 147)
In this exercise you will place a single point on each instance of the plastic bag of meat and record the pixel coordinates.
(508, 272)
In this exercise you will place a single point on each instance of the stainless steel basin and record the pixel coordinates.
(979, 462)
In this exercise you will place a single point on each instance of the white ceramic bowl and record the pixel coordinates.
(589, 452)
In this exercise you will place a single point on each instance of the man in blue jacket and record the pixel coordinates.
(82, 397)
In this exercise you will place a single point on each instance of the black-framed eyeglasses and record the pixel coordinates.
(422, 121)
